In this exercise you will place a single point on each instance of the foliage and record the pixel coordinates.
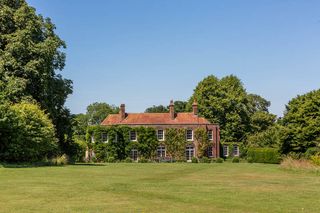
(205, 159)
(315, 159)
(175, 142)
(157, 109)
(180, 106)
(97, 112)
(203, 142)
(60, 160)
(143, 160)
(27, 134)
(111, 159)
(128, 160)
(302, 123)
(235, 160)
(264, 155)
(312, 151)
(226, 102)
(194, 160)
(147, 141)
(81, 147)
(298, 164)
(270, 138)
(219, 160)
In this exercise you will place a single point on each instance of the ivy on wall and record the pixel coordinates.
(201, 136)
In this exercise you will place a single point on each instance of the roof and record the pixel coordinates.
(154, 118)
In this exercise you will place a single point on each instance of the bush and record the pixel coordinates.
(219, 160)
(143, 160)
(264, 155)
(315, 159)
(205, 160)
(235, 160)
(250, 160)
(194, 160)
(128, 160)
(111, 159)
(298, 164)
(60, 160)
(312, 151)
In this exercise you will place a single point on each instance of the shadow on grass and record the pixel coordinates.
(42, 164)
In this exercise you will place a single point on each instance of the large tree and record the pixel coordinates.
(179, 106)
(226, 102)
(302, 123)
(97, 112)
(30, 58)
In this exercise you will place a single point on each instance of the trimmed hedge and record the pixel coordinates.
(263, 155)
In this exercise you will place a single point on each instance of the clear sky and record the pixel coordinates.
(146, 52)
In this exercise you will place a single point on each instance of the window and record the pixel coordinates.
(133, 135)
(189, 152)
(134, 154)
(92, 139)
(189, 135)
(104, 137)
(160, 134)
(235, 150)
(225, 150)
(209, 152)
(161, 151)
(210, 136)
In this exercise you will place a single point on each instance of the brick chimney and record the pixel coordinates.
(122, 111)
(195, 107)
(171, 109)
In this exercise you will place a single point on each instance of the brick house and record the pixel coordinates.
(161, 121)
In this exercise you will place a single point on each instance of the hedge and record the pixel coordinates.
(263, 155)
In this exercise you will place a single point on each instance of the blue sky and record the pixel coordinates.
(146, 52)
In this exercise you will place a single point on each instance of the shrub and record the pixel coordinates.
(264, 155)
(315, 159)
(128, 160)
(235, 160)
(111, 159)
(194, 160)
(219, 160)
(312, 151)
(60, 160)
(205, 160)
(250, 160)
(143, 160)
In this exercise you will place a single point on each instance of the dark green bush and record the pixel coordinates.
(312, 151)
(219, 160)
(128, 160)
(250, 160)
(143, 160)
(205, 160)
(194, 160)
(264, 155)
(235, 160)
(111, 159)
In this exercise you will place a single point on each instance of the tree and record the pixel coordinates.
(180, 106)
(30, 56)
(157, 109)
(97, 112)
(27, 133)
(226, 102)
(302, 123)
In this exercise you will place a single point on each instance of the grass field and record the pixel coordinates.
(163, 187)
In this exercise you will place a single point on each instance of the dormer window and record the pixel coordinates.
(160, 134)
(133, 135)
(189, 135)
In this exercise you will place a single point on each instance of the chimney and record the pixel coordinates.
(122, 111)
(171, 109)
(195, 107)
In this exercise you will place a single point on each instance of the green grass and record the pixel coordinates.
(163, 187)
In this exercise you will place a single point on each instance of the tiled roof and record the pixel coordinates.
(154, 118)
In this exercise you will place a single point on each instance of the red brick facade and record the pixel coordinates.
(162, 121)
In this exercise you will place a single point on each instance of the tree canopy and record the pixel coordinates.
(97, 112)
(226, 102)
(179, 106)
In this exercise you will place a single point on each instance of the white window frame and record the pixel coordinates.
(236, 148)
(210, 133)
(107, 137)
(136, 137)
(132, 154)
(188, 139)
(189, 148)
(225, 148)
(160, 149)
(92, 139)
(160, 139)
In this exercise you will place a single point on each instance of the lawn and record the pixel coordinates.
(163, 187)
